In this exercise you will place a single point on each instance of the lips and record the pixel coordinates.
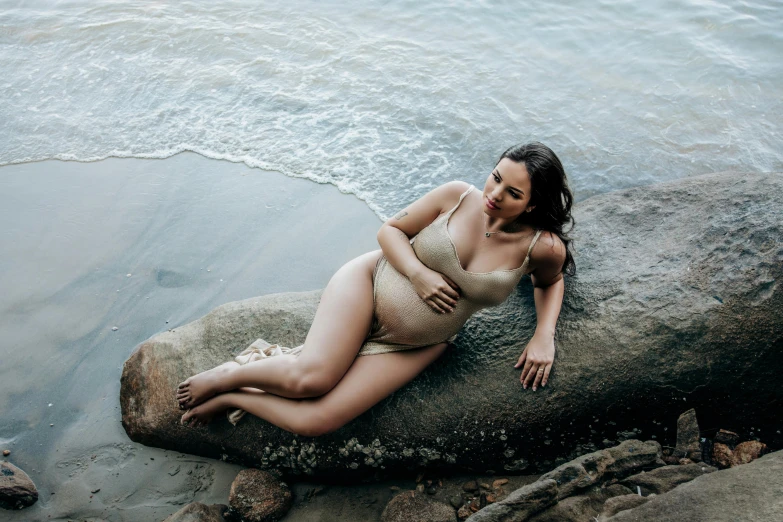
(492, 205)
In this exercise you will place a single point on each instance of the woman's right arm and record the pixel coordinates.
(437, 290)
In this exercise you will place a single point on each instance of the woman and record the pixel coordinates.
(398, 307)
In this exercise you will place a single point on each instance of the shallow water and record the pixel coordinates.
(387, 100)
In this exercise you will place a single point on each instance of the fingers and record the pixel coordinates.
(443, 303)
(452, 284)
(451, 294)
(546, 374)
(526, 373)
(539, 374)
(535, 375)
(522, 358)
(436, 304)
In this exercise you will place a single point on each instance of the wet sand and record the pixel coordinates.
(140, 246)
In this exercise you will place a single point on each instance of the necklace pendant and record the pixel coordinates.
(487, 233)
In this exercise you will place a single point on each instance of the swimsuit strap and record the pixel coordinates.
(530, 248)
(470, 189)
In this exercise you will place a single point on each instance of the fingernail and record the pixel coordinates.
(534, 388)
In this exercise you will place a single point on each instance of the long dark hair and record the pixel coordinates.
(550, 194)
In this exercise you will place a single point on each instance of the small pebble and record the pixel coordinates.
(95, 491)
(6, 453)
(114, 328)
(51, 425)
(128, 275)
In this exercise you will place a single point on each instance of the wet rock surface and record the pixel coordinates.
(666, 478)
(17, 491)
(198, 512)
(616, 504)
(258, 496)
(411, 506)
(674, 304)
(688, 445)
(555, 495)
(751, 493)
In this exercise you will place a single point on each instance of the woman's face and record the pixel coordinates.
(507, 190)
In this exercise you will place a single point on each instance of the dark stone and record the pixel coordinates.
(470, 486)
(198, 512)
(571, 509)
(722, 456)
(614, 490)
(521, 504)
(616, 504)
(17, 491)
(590, 469)
(257, 496)
(640, 331)
(688, 445)
(753, 492)
(748, 451)
(666, 478)
(413, 507)
(729, 438)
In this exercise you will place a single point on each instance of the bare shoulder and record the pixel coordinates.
(454, 189)
(547, 257)
(448, 194)
(413, 218)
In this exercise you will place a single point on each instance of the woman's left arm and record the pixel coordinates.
(548, 257)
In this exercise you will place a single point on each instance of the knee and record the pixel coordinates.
(307, 383)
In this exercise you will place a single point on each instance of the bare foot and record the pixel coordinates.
(203, 414)
(203, 386)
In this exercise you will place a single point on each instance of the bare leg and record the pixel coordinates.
(339, 328)
(369, 380)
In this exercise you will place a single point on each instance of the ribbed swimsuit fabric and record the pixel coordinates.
(403, 321)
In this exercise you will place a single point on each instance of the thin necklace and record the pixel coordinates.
(487, 233)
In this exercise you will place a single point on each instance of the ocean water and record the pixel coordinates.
(387, 100)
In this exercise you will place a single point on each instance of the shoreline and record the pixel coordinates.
(140, 245)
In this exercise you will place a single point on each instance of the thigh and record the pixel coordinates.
(369, 380)
(342, 321)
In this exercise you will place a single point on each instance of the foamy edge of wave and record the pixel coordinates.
(250, 161)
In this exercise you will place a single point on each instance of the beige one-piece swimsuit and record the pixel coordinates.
(401, 319)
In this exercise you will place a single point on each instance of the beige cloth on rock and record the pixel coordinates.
(260, 349)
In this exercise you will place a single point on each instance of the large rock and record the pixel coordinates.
(258, 496)
(666, 478)
(17, 491)
(675, 305)
(198, 512)
(751, 493)
(410, 506)
(521, 504)
(552, 498)
(688, 445)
